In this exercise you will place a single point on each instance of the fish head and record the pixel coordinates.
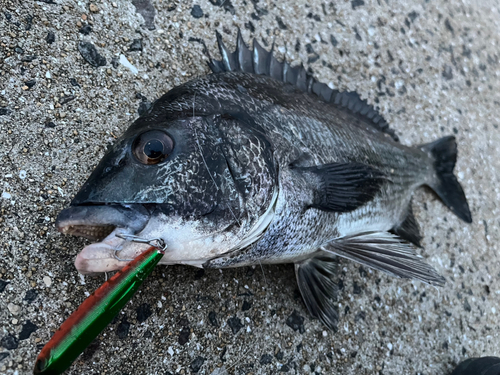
(204, 185)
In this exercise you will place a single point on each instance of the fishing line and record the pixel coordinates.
(205, 162)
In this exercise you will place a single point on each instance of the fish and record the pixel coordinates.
(478, 365)
(260, 163)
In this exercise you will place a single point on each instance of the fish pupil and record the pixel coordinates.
(153, 149)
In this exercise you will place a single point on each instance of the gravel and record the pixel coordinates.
(432, 68)
(90, 54)
(136, 45)
(197, 12)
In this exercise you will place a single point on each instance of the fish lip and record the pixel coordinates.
(103, 256)
(102, 223)
(97, 221)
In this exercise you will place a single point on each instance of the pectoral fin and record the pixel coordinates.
(385, 252)
(343, 187)
(319, 291)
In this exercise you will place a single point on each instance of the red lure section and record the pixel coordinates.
(123, 280)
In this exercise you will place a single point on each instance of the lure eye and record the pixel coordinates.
(152, 147)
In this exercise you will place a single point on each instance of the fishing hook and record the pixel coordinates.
(159, 243)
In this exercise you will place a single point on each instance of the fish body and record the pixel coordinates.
(258, 163)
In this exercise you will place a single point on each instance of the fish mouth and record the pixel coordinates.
(89, 231)
(104, 224)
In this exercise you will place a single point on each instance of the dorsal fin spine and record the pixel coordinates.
(259, 61)
(244, 55)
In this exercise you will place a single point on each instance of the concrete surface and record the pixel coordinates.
(432, 67)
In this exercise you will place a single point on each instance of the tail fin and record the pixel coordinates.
(446, 186)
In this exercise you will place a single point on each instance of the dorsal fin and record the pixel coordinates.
(260, 61)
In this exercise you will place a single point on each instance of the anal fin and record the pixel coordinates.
(315, 279)
(409, 229)
(385, 252)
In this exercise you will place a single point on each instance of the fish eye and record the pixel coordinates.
(152, 147)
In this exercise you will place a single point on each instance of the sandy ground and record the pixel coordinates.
(431, 66)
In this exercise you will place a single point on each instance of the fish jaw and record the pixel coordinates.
(108, 255)
(188, 242)
(95, 222)
(103, 223)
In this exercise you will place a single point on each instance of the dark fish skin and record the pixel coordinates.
(270, 168)
(478, 366)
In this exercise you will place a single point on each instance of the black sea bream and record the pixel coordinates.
(258, 163)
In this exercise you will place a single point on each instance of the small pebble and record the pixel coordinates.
(266, 359)
(29, 58)
(51, 37)
(67, 98)
(196, 12)
(235, 324)
(143, 312)
(136, 45)
(85, 30)
(47, 280)
(247, 305)
(3, 284)
(93, 8)
(9, 342)
(114, 62)
(147, 10)
(14, 309)
(212, 318)
(74, 82)
(30, 83)
(27, 330)
(123, 329)
(296, 322)
(90, 54)
(196, 364)
(32, 293)
(184, 335)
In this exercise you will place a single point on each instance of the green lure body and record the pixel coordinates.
(94, 314)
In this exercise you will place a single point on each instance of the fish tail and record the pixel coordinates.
(446, 185)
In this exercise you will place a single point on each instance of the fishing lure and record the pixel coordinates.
(96, 312)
